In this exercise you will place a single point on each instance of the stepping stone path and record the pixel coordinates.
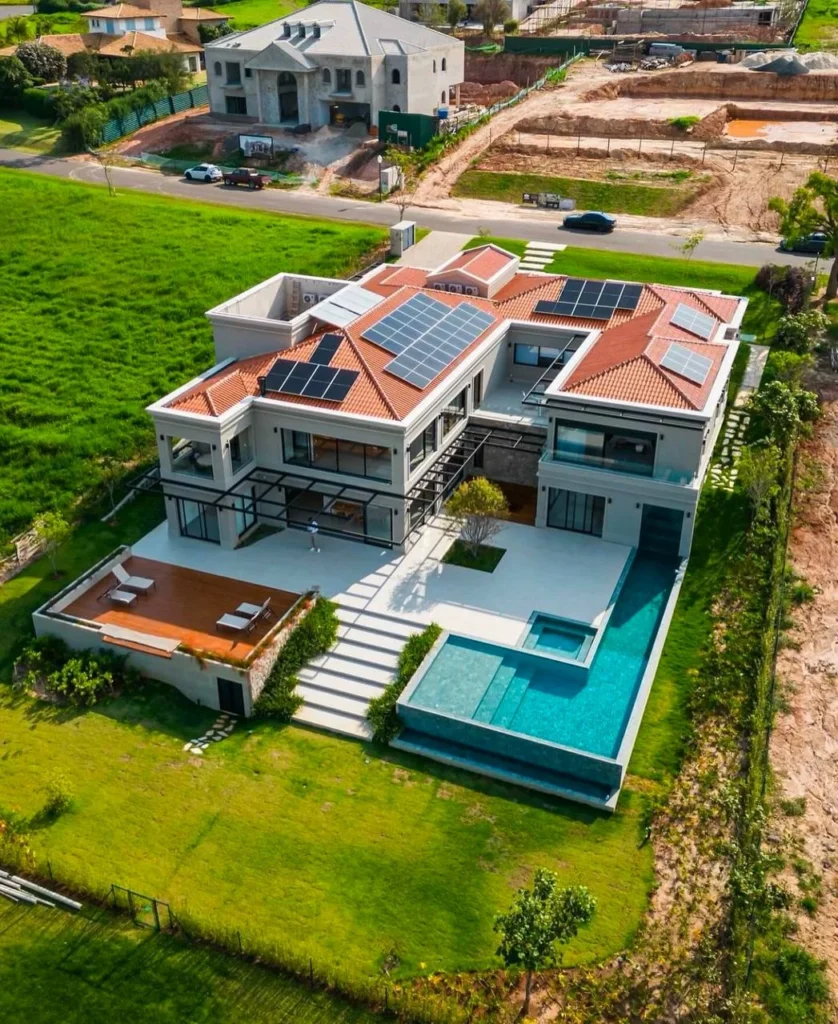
(539, 255)
(724, 470)
(220, 730)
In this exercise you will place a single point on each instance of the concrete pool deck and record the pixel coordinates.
(566, 575)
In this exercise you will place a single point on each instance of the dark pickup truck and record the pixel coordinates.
(246, 176)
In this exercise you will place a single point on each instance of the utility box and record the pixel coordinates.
(388, 179)
(402, 236)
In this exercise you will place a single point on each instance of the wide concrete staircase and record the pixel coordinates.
(338, 686)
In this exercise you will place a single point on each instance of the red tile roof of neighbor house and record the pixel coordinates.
(483, 262)
(121, 11)
(623, 363)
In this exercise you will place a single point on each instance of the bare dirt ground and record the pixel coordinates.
(804, 746)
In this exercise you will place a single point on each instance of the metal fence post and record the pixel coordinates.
(156, 915)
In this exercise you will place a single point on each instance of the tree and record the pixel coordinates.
(14, 78)
(782, 409)
(813, 207)
(84, 128)
(491, 13)
(111, 468)
(51, 530)
(789, 366)
(690, 244)
(478, 506)
(408, 177)
(17, 29)
(206, 33)
(457, 12)
(540, 917)
(800, 332)
(759, 470)
(430, 13)
(42, 61)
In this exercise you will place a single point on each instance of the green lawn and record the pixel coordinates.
(819, 25)
(19, 130)
(103, 313)
(249, 13)
(612, 197)
(93, 967)
(46, 24)
(760, 319)
(486, 559)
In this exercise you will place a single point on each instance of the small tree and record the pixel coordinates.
(479, 507)
(17, 29)
(690, 244)
(111, 469)
(42, 61)
(541, 917)
(457, 12)
(408, 177)
(782, 409)
(14, 78)
(491, 13)
(51, 530)
(800, 332)
(430, 13)
(813, 207)
(759, 470)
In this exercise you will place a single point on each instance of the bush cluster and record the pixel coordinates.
(381, 713)
(314, 635)
(791, 285)
(79, 677)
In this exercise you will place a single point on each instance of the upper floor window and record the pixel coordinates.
(130, 24)
(359, 78)
(327, 76)
(454, 412)
(396, 77)
(422, 446)
(192, 457)
(539, 355)
(337, 456)
(241, 449)
(216, 69)
(109, 27)
(620, 449)
(148, 23)
(344, 80)
(94, 22)
(444, 65)
(234, 72)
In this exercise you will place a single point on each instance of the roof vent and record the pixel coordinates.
(301, 30)
(261, 382)
(286, 30)
(316, 31)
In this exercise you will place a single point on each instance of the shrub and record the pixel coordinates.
(66, 102)
(14, 78)
(381, 713)
(42, 61)
(81, 678)
(37, 102)
(685, 122)
(510, 27)
(84, 128)
(791, 285)
(59, 796)
(800, 332)
(317, 632)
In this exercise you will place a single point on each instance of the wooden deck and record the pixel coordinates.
(184, 605)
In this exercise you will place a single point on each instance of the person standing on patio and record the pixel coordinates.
(313, 530)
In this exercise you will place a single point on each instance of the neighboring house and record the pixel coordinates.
(334, 61)
(413, 10)
(617, 397)
(147, 25)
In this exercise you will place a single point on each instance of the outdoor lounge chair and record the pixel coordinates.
(255, 611)
(139, 583)
(246, 616)
(118, 596)
(236, 622)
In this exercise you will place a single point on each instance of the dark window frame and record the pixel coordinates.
(614, 438)
(427, 440)
(310, 461)
(542, 361)
(202, 519)
(589, 519)
(454, 412)
(343, 80)
(236, 78)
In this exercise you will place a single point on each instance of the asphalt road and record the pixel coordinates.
(532, 226)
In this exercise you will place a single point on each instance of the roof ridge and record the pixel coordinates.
(370, 374)
(353, 4)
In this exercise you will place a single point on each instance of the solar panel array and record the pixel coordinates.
(686, 363)
(311, 380)
(426, 336)
(329, 344)
(691, 320)
(592, 300)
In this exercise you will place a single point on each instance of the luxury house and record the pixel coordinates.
(362, 405)
(334, 61)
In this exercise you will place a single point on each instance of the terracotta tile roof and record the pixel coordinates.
(121, 11)
(183, 44)
(483, 262)
(134, 42)
(70, 42)
(386, 280)
(201, 14)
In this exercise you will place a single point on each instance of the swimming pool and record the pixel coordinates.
(521, 690)
(560, 637)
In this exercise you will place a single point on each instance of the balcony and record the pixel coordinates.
(607, 464)
(192, 458)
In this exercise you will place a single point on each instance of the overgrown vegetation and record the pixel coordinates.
(685, 121)
(791, 285)
(47, 665)
(381, 713)
(314, 635)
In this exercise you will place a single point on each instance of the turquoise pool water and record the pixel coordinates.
(541, 697)
(558, 636)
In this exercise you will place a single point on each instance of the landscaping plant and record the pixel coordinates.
(42, 61)
(381, 713)
(791, 285)
(479, 508)
(79, 677)
(813, 207)
(59, 795)
(51, 530)
(801, 332)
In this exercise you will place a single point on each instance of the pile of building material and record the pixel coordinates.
(18, 890)
(789, 62)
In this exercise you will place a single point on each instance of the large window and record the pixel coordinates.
(454, 412)
(191, 457)
(235, 104)
(234, 72)
(539, 355)
(343, 80)
(245, 513)
(198, 520)
(422, 446)
(241, 449)
(572, 510)
(627, 451)
(337, 456)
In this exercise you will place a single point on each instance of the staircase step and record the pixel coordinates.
(333, 722)
(332, 701)
(365, 654)
(389, 625)
(362, 637)
(340, 685)
(336, 665)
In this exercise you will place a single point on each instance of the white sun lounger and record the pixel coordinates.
(139, 583)
(246, 616)
(253, 611)
(237, 622)
(121, 596)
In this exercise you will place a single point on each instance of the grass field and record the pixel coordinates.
(819, 25)
(612, 197)
(249, 13)
(93, 967)
(103, 312)
(19, 130)
(762, 314)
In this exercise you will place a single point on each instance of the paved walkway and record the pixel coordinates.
(725, 469)
(433, 250)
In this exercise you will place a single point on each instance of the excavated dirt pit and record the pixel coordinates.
(822, 132)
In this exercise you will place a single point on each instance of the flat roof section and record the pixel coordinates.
(184, 605)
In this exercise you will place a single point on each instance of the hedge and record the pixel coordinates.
(381, 713)
(37, 102)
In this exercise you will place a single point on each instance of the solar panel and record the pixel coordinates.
(329, 344)
(691, 320)
(593, 300)
(310, 380)
(686, 363)
(407, 323)
(345, 305)
(426, 357)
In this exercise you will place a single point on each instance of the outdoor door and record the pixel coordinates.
(287, 89)
(230, 696)
(660, 530)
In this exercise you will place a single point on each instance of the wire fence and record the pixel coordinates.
(165, 163)
(117, 127)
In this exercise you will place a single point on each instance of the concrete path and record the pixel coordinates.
(725, 469)
(757, 358)
(433, 250)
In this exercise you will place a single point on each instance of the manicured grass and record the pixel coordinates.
(103, 313)
(762, 314)
(19, 130)
(45, 24)
(612, 197)
(818, 26)
(486, 559)
(95, 968)
(250, 13)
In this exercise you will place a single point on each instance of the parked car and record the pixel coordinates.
(203, 172)
(816, 242)
(590, 221)
(301, 129)
(246, 176)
